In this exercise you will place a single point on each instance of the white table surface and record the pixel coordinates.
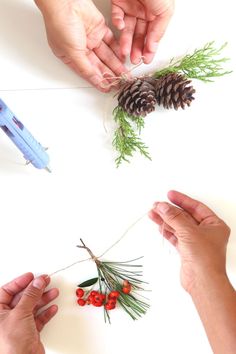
(44, 215)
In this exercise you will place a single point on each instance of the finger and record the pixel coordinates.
(196, 209)
(126, 37)
(9, 290)
(81, 64)
(138, 41)
(32, 295)
(47, 297)
(108, 57)
(18, 296)
(173, 216)
(111, 41)
(159, 221)
(154, 216)
(44, 317)
(155, 32)
(169, 236)
(118, 17)
(104, 72)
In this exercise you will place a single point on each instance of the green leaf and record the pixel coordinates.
(87, 283)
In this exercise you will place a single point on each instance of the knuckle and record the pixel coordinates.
(31, 293)
(139, 36)
(128, 31)
(227, 229)
(173, 214)
(187, 232)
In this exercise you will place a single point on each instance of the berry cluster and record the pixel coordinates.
(97, 299)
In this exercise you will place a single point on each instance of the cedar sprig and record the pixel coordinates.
(126, 137)
(204, 64)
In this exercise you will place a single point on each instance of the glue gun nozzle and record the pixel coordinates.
(48, 169)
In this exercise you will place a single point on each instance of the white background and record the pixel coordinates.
(43, 215)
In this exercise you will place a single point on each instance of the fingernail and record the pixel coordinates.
(153, 47)
(173, 240)
(163, 207)
(120, 24)
(136, 61)
(38, 283)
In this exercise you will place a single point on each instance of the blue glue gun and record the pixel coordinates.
(32, 150)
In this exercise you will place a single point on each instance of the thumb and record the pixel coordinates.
(32, 294)
(172, 216)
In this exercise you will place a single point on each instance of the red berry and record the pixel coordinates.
(99, 298)
(81, 302)
(126, 284)
(103, 297)
(93, 293)
(126, 290)
(109, 307)
(112, 302)
(97, 303)
(80, 292)
(113, 294)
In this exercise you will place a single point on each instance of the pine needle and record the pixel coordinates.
(113, 278)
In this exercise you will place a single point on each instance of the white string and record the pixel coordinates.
(106, 251)
(124, 77)
(47, 88)
(124, 234)
(69, 266)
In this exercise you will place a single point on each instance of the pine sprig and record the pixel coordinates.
(111, 278)
(204, 64)
(126, 141)
(113, 274)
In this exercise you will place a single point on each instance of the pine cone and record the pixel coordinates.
(173, 90)
(138, 97)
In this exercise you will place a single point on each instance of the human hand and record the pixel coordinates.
(142, 24)
(78, 35)
(197, 232)
(20, 321)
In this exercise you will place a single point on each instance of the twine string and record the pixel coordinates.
(93, 258)
(124, 77)
(105, 252)
(123, 235)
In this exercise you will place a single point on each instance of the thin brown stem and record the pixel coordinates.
(93, 257)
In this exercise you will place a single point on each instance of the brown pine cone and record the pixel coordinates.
(138, 97)
(173, 90)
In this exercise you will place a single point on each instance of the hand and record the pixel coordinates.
(143, 23)
(197, 232)
(20, 322)
(78, 35)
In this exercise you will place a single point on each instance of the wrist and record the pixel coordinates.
(47, 7)
(209, 281)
